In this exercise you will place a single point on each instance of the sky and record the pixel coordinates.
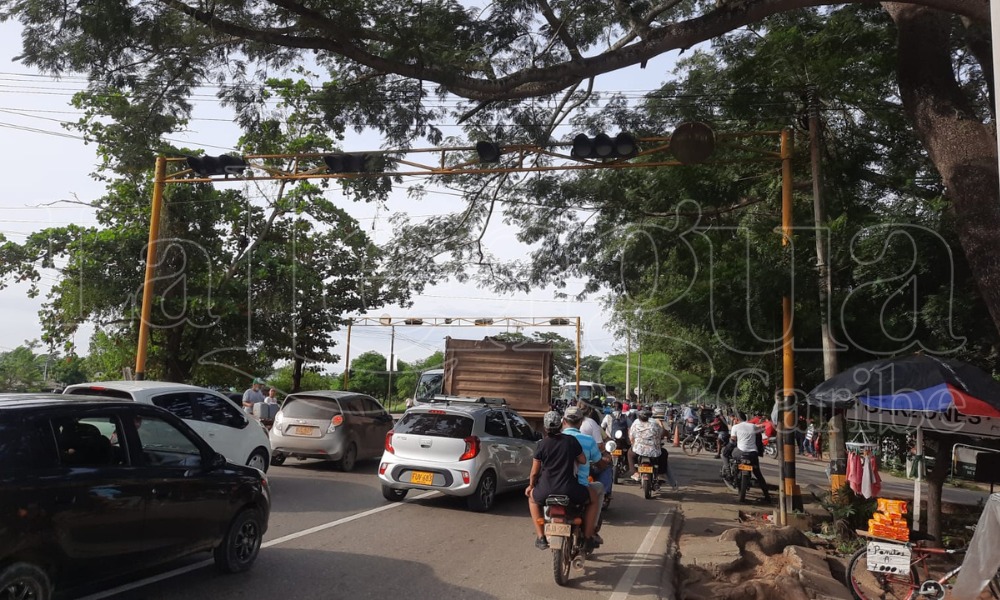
(46, 169)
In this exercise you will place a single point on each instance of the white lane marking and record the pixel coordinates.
(640, 559)
(292, 536)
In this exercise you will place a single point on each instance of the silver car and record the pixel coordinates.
(338, 426)
(467, 447)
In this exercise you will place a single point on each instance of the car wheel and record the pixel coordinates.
(25, 582)
(349, 458)
(258, 460)
(393, 495)
(277, 459)
(486, 492)
(239, 548)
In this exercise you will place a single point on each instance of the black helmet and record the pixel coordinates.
(645, 413)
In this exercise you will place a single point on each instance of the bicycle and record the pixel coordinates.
(890, 582)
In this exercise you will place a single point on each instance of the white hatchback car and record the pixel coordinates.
(467, 447)
(216, 418)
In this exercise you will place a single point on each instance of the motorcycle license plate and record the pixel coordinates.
(421, 478)
(645, 468)
(561, 529)
(745, 467)
(616, 453)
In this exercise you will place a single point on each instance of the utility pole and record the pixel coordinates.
(837, 423)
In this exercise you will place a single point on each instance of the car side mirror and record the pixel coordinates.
(215, 462)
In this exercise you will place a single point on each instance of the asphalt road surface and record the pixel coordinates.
(332, 536)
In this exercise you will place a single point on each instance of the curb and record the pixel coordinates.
(668, 579)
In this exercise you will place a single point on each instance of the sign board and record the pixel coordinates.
(902, 421)
(889, 557)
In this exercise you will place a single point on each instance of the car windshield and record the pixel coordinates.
(101, 391)
(435, 424)
(310, 407)
(429, 385)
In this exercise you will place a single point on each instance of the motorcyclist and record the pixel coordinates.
(659, 414)
(616, 420)
(554, 471)
(646, 437)
(591, 427)
(747, 436)
(573, 420)
(721, 430)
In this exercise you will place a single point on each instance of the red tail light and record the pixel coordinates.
(337, 421)
(557, 511)
(471, 448)
(388, 443)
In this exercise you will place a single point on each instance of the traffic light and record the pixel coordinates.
(489, 152)
(349, 163)
(602, 146)
(692, 143)
(206, 166)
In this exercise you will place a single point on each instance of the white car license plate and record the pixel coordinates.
(561, 529)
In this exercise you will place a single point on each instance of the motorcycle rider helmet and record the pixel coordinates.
(645, 413)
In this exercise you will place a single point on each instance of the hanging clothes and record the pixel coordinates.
(876, 480)
(854, 467)
(871, 483)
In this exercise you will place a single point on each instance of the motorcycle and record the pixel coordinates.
(564, 530)
(612, 448)
(648, 476)
(702, 438)
(738, 475)
(771, 447)
(619, 457)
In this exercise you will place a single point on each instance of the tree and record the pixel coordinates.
(368, 375)
(379, 56)
(20, 370)
(311, 379)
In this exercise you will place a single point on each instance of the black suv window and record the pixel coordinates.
(495, 424)
(435, 424)
(178, 403)
(87, 442)
(310, 407)
(352, 405)
(213, 409)
(519, 427)
(165, 445)
(26, 444)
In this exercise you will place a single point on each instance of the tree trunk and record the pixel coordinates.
(962, 148)
(297, 373)
(935, 482)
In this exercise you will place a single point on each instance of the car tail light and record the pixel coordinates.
(471, 448)
(382, 467)
(465, 477)
(337, 421)
(436, 412)
(388, 443)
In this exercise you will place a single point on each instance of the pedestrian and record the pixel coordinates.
(807, 443)
(553, 471)
(253, 395)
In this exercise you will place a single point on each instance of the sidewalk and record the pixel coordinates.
(728, 550)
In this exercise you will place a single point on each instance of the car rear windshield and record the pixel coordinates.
(438, 425)
(310, 407)
(100, 391)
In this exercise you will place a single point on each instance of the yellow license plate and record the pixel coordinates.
(616, 453)
(746, 467)
(561, 529)
(645, 468)
(421, 478)
(302, 430)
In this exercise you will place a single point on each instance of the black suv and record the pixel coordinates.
(93, 488)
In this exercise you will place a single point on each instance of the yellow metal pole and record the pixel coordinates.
(791, 497)
(159, 176)
(347, 359)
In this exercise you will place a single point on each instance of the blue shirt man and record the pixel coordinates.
(573, 417)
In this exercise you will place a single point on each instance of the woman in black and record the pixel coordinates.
(553, 471)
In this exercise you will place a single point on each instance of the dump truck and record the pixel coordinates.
(518, 372)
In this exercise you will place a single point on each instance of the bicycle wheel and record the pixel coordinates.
(869, 585)
(690, 445)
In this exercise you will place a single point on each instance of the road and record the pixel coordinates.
(332, 535)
